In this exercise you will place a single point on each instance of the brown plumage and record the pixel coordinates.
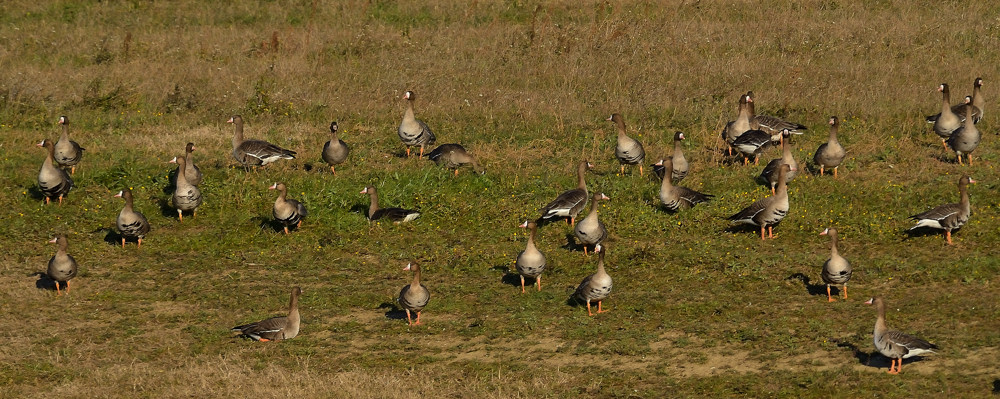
(531, 261)
(286, 210)
(454, 156)
(336, 150)
(276, 328)
(629, 151)
(67, 152)
(595, 287)
(570, 202)
(255, 152)
(677, 197)
(414, 296)
(62, 266)
(830, 154)
(131, 223)
(767, 212)
(412, 131)
(396, 215)
(894, 344)
(948, 217)
(52, 181)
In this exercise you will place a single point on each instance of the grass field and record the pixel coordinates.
(698, 309)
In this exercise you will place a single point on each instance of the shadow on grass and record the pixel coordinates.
(571, 244)
(394, 312)
(996, 386)
(744, 228)
(545, 222)
(873, 359)
(171, 182)
(111, 236)
(361, 208)
(269, 224)
(926, 231)
(812, 289)
(166, 209)
(44, 282)
(37, 194)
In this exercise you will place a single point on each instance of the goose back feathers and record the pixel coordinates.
(255, 152)
(275, 328)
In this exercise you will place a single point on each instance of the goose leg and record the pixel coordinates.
(286, 230)
(67, 288)
(959, 158)
(522, 284)
(417, 323)
(409, 321)
(456, 172)
(640, 171)
(538, 282)
(588, 308)
(762, 232)
(845, 290)
(821, 170)
(585, 249)
(947, 236)
(969, 158)
(123, 242)
(407, 152)
(829, 298)
(421, 155)
(57, 289)
(770, 232)
(835, 171)
(893, 369)
(772, 189)
(60, 199)
(333, 170)
(756, 158)
(139, 245)
(599, 310)
(46, 200)
(623, 169)
(194, 213)
(180, 215)
(72, 170)
(299, 225)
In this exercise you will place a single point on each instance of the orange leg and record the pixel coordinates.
(72, 170)
(835, 171)
(286, 230)
(746, 160)
(123, 242)
(770, 232)
(46, 200)
(762, 232)
(140, 244)
(829, 298)
(417, 323)
(623, 169)
(67, 288)
(599, 310)
(588, 308)
(57, 289)
(585, 249)
(408, 319)
(572, 221)
(60, 199)
(640, 171)
(263, 340)
(947, 236)
(407, 152)
(821, 170)
(194, 213)
(332, 170)
(960, 158)
(180, 215)
(756, 158)
(893, 368)
(421, 155)
(299, 225)
(522, 284)
(969, 157)
(456, 172)
(772, 190)
(730, 151)
(538, 282)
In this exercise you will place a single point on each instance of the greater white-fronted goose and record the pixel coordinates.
(597, 286)
(276, 328)
(187, 196)
(191, 171)
(396, 215)
(836, 269)
(62, 266)
(767, 212)
(286, 210)
(769, 175)
(628, 150)
(255, 152)
(454, 156)
(52, 181)
(830, 154)
(591, 230)
(412, 131)
(335, 151)
(679, 163)
(677, 197)
(570, 202)
(735, 128)
(531, 261)
(947, 121)
(978, 102)
(771, 124)
(965, 139)
(948, 217)
(68, 152)
(414, 296)
(131, 223)
(751, 143)
(893, 344)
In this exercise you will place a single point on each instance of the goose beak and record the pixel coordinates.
(364, 191)
(524, 225)
(825, 232)
(598, 248)
(659, 163)
(604, 197)
(971, 181)
(230, 120)
(119, 195)
(610, 118)
(869, 301)
(682, 136)
(40, 144)
(173, 160)
(590, 165)
(407, 268)
(273, 187)
(53, 240)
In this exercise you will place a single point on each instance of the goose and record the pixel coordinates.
(978, 102)
(187, 196)
(68, 152)
(894, 344)
(947, 122)
(131, 223)
(414, 296)
(335, 151)
(751, 143)
(570, 202)
(454, 156)
(396, 215)
(591, 231)
(966, 138)
(836, 269)
(628, 150)
(830, 154)
(679, 163)
(52, 181)
(286, 210)
(769, 175)
(595, 287)
(767, 212)
(255, 152)
(677, 197)
(276, 328)
(770, 124)
(191, 171)
(412, 131)
(62, 266)
(735, 128)
(948, 217)
(531, 261)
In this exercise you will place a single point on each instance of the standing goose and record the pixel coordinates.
(978, 102)
(453, 156)
(187, 196)
(628, 150)
(595, 287)
(966, 138)
(131, 223)
(591, 231)
(767, 212)
(735, 128)
(677, 197)
(255, 152)
(679, 163)
(412, 131)
(830, 154)
(570, 202)
(947, 122)
(836, 269)
(68, 152)
(52, 181)
(769, 175)
(276, 328)
(396, 215)
(62, 266)
(948, 217)
(751, 143)
(191, 171)
(894, 344)
(531, 261)
(335, 151)
(770, 124)
(287, 211)
(414, 296)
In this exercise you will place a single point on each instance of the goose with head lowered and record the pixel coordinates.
(68, 152)
(276, 328)
(830, 154)
(836, 269)
(255, 152)
(530, 262)
(131, 223)
(948, 217)
(965, 139)
(52, 181)
(414, 296)
(674, 197)
(413, 132)
(191, 171)
(767, 212)
(454, 156)
(286, 210)
(396, 215)
(629, 151)
(570, 202)
(595, 287)
(62, 266)
(187, 196)
(590, 230)
(335, 151)
(894, 344)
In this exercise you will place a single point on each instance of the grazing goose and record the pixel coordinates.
(948, 217)
(947, 122)
(286, 210)
(68, 152)
(893, 344)
(191, 171)
(335, 151)
(453, 156)
(595, 287)
(830, 154)
(255, 152)
(966, 138)
(531, 261)
(836, 269)
(412, 131)
(735, 128)
(591, 231)
(414, 296)
(52, 181)
(769, 175)
(276, 328)
(62, 266)
(770, 124)
(131, 223)
(396, 215)
(187, 196)
(628, 150)
(767, 212)
(679, 163)
(751, 143)
(570, 202)
(978, 103)
(677, 197)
